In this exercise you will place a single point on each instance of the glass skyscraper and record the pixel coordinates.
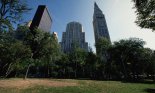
(100, 25)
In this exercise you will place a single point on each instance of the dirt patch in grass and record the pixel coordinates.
(20, 83)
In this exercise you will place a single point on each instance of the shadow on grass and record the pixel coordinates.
(149, 90)
(144, 81)
(140, 81)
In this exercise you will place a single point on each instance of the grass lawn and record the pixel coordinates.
(72, 86)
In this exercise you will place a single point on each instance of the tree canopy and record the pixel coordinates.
(11, 11)
(145, 10)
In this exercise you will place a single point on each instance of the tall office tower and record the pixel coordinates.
(100, 25)
(42, 19)
(74, 35)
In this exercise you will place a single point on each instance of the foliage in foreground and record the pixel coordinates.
(23, 49)
(145, 10)
(11, 11)
(25, 53)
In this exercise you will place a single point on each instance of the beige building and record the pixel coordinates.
(74, 36)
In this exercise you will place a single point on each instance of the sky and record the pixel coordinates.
(120, 17)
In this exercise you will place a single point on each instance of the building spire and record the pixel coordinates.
(96, 9)
(100, 26)
(95, 5)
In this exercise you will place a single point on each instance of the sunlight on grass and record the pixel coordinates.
(84, 86)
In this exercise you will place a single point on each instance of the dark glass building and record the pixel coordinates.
(100, 25)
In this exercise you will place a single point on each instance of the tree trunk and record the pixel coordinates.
(64, 72)
(15, 74)
(83, 71)
(125, 72)
(27, 71)
(48, 71)
(8, 71)
(154, 77)
(75, 74)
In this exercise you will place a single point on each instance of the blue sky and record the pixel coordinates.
(119, 14)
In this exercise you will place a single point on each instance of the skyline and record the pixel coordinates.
(119, 14)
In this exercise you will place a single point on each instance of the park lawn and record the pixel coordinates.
(72, 86)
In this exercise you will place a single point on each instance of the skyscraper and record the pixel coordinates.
(42, 19)
(100, 25)
(74, 35)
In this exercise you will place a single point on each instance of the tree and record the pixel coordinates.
(102, 47)
(51, 51)
(91, 65)
(12, 53)
(130, 57)
(35, 39)
(150, 70)
(153, 66)
(78, 60)
(21, 33)
(63, 68)
(10, 12)
(45, 49)
(145, 13)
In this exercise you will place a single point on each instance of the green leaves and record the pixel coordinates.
(130, 57)
(12, 53)
(11, 12)
(145, 13)
(102, 46)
